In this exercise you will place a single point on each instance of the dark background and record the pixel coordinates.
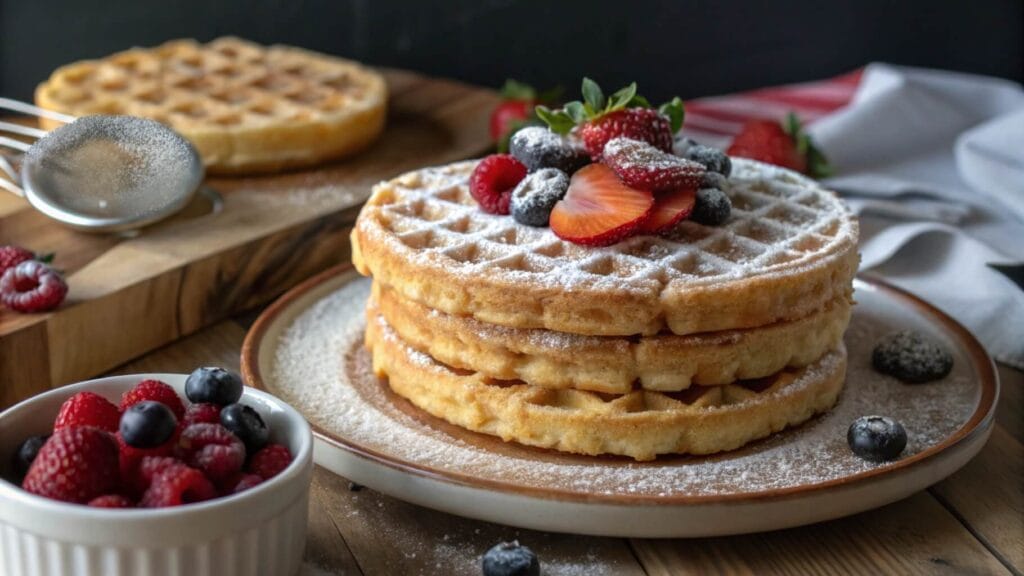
(686, 48)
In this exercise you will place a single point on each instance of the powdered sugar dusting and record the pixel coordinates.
(781, 223)
(309, 371)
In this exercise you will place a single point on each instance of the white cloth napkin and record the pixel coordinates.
(933, 163)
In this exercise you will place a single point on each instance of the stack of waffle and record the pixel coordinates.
(694, 343)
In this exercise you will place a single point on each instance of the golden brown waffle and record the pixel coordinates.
(641, 424)
(612, 364)
(247, 108)
(789, 249)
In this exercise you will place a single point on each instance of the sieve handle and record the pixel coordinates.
(31, 110)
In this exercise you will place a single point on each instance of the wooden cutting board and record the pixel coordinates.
(130, 295)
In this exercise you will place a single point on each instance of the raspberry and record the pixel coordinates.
(644, 167)
(270, 461)
(177, 485)
(212, 449)
(246, 482)
(131, 458)
(111, 501)
(150, 466)
(492, 182)
(11, 256)
(644, 124)
(75, 465)
(156, 391)
(197, 413)
(88, 409)
(32, 287)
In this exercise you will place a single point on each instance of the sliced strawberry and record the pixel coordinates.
(669, 209)
(644, 167)
(598, 209)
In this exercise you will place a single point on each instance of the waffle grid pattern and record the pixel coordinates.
(781, 223)
(226, 85)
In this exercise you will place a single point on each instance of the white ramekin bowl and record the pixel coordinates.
(261, 531)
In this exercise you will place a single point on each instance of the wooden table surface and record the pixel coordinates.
(971, 523)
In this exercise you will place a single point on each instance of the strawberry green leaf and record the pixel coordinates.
(675, 112)
(621, 98)
(792, 126)
(558, 120)
(576, 111)
(515, 90)
(592, 95)
(638, 101)
(46, 258)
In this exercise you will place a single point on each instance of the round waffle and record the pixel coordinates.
(641, 424)
(611, 364)
(789, 248)
(246, 108)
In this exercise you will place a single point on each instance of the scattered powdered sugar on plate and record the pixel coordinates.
(312, 363)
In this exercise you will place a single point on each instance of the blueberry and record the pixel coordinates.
(535, 196)
(26, 454)
(537, 147)
(876, 438)
(681, 145)
(713, 159)
(712, 207)
(714, 180)
(911, 357)
(147, 424)
(511, 559)
(247, 424)
(213, 386)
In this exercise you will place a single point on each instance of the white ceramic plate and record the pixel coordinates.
(306, 349)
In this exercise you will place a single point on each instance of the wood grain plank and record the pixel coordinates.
(1010, 412)
(131, 294)
(914, 536)
(217, 345)
(988, 496)
(388, 536)
(326, 550)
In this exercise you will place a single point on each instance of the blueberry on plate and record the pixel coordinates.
(535, 196)
(713, 159)
(26, 454)
(911, 357)
(210, 385)
(538, 147)
(510, 559)
(246, 423)
(147, 424)
(711, 207)
(876, 438)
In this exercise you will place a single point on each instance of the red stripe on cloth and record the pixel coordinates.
(725, 115)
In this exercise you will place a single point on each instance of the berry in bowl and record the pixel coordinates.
(157, 474)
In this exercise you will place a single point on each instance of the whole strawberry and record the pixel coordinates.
(32, 286)
(156, 391)
(88, 409)
(625, 113)
(75, 465)
(11, 256)
(514, 111)
(785, 145)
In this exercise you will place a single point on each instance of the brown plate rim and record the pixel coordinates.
(979, 422)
